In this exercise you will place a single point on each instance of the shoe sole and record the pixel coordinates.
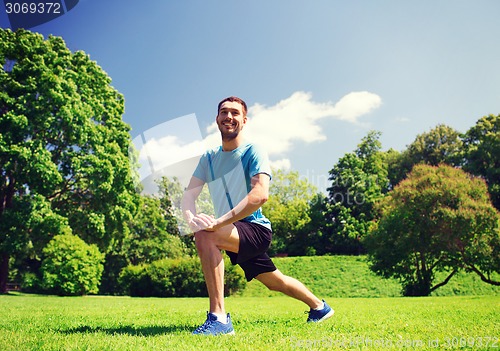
(230, 333)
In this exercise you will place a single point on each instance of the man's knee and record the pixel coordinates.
(222, 239)
(202, 239)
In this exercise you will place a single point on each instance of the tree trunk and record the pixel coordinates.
(6, 202)
(4, 272)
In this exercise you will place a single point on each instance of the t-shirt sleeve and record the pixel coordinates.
(201, 170)
(259, 162)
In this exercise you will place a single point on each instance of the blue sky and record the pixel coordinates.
(317, 75)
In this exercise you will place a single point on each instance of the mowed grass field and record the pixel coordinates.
(31, 322)
(369, 315)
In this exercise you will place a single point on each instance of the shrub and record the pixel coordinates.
(180, 277)
(71, 266)
(31, 283)
(234, 278)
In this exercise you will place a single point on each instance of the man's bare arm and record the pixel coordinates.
(188, 206)
(251, 203)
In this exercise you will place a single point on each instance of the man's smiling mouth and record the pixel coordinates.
(229, 124)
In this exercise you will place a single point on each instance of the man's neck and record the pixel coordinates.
(233, 144)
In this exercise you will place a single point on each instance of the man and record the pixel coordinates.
(238, 175)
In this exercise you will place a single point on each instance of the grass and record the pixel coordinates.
(33, 322)
(349, 276)
(466, 312)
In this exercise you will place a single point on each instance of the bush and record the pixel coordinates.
(31, 283)
(71, 266)
(181, 277)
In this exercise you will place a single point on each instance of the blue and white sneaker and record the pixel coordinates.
(213, 327)
(320, 315)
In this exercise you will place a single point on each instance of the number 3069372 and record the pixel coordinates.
(32, 8)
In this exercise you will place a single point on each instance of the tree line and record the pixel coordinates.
(431, 207)
(72, 220)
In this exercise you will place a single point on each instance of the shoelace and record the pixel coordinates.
(204, 326)
(311, 314)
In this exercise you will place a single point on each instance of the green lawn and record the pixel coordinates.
(31, 322)
(369, 315)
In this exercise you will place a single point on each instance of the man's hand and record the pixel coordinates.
(202, 221)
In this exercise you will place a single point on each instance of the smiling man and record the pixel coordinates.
(237, 174)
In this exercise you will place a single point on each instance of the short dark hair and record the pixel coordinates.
(233, 99)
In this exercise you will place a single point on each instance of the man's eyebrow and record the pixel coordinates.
(229, 109)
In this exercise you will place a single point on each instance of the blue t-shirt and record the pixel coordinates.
(228, 175)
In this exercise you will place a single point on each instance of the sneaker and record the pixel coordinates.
(320, 315)
(213, 327)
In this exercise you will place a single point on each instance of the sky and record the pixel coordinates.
(317, 75)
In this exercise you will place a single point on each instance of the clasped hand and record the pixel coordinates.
(202, 221)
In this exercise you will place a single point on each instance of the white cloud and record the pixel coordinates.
(354, 105)
(296, 118)
(283, 164)
(292, 119)
(169, 150)
(168, 143)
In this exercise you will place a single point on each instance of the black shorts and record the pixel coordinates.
(252, 256)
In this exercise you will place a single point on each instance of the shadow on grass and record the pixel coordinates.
(130, 330)
(133, 330)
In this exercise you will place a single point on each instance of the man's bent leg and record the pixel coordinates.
(277, 281)
(209, 246)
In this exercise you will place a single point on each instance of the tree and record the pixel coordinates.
(482, 155)
(62, 141)
(438, 219)
(441, 144)
(359, 179)
(288, 209)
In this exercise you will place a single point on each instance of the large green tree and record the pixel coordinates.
(359, 179)
(62, 142)
(441, 144)
(438, 219)
(482, 155)
(288, 209)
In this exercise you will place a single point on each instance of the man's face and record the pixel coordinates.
(231, 119)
